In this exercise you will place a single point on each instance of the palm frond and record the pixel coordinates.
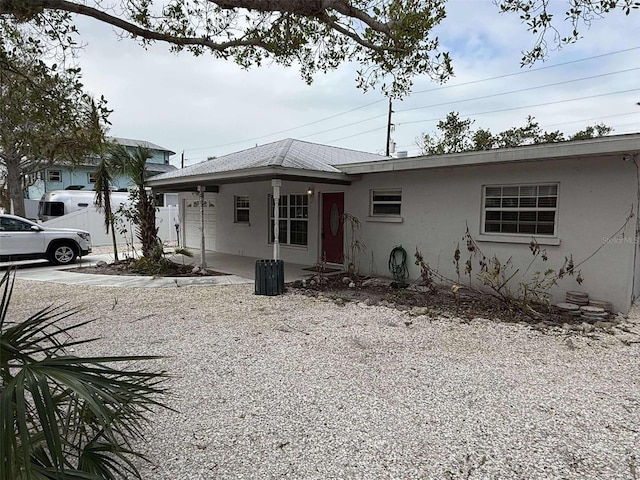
(65, 416)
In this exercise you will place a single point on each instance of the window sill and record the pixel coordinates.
(242, 224)
(517, 239)
(385, 219)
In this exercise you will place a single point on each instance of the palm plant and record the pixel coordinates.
(134, 166)
(103, 199)
(97, 133)
(62, 416)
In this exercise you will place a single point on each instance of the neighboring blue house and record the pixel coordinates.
(82, 176)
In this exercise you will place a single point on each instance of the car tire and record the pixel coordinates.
(63, 254)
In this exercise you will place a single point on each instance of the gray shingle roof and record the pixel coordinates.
(130, 142)
(287, 153)
(159, 167)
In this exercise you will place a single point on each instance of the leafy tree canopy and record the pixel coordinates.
(543, 22)
(391, 40)
(457, 136)
(44, 115)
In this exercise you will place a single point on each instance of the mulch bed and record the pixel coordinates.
(130, 267)
(439, 301)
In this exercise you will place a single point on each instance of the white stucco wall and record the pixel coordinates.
(595, 198)
(253, 239)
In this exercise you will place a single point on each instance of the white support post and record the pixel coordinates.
(276, 184)
(201, 190)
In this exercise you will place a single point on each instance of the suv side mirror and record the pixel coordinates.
(36, 228)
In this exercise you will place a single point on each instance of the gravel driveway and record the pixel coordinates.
(301, 388)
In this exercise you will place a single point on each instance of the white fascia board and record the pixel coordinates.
(236, 176)
(587, 148)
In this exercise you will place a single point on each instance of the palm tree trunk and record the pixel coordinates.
(113, 238)
(148, 230)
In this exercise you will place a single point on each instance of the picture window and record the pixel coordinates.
(293, 219)
(520, 209)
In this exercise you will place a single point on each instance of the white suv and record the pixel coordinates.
(22, 239)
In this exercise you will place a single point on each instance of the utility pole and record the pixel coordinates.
(389, 128)
(182, 160)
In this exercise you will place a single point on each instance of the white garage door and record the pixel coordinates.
(191, 216)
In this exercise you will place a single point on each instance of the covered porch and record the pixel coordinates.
(281, 201)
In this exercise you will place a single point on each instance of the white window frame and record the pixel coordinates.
(237, 208)
(521, 207)
(386, 191)
(54, 173)
(91, 175)
(288, 218)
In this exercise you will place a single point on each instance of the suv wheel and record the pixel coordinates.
(63, 254)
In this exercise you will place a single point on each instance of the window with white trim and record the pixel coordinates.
(91, 177)
(294, 219)
(386, 203)
(241, 209)
(54, 176)
(520, 209)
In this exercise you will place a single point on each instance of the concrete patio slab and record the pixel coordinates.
(238, 270)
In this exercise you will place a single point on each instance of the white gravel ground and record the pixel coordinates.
(301, 388)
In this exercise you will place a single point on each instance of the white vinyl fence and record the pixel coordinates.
(92, 221)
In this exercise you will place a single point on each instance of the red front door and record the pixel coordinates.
(332, 227)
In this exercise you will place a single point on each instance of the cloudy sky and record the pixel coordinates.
(207, 107)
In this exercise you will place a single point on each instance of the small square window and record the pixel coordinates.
(91, 177)
(386, 203)
(54, 176)
(241, 209)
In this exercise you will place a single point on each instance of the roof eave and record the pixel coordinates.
(552, 151)
(253, 174)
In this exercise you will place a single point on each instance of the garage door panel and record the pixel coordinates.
(192, 223)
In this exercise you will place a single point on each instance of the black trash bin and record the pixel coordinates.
(269, 277)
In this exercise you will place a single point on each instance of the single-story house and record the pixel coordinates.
(576, 201)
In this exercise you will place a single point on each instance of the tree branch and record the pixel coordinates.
(312, 9)
(356, 38)
(135, 30)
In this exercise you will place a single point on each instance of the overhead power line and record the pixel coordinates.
(493, 95)
(523, 72)
(531, 105)
(493, 111)
(331, 117)
(340, 127)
